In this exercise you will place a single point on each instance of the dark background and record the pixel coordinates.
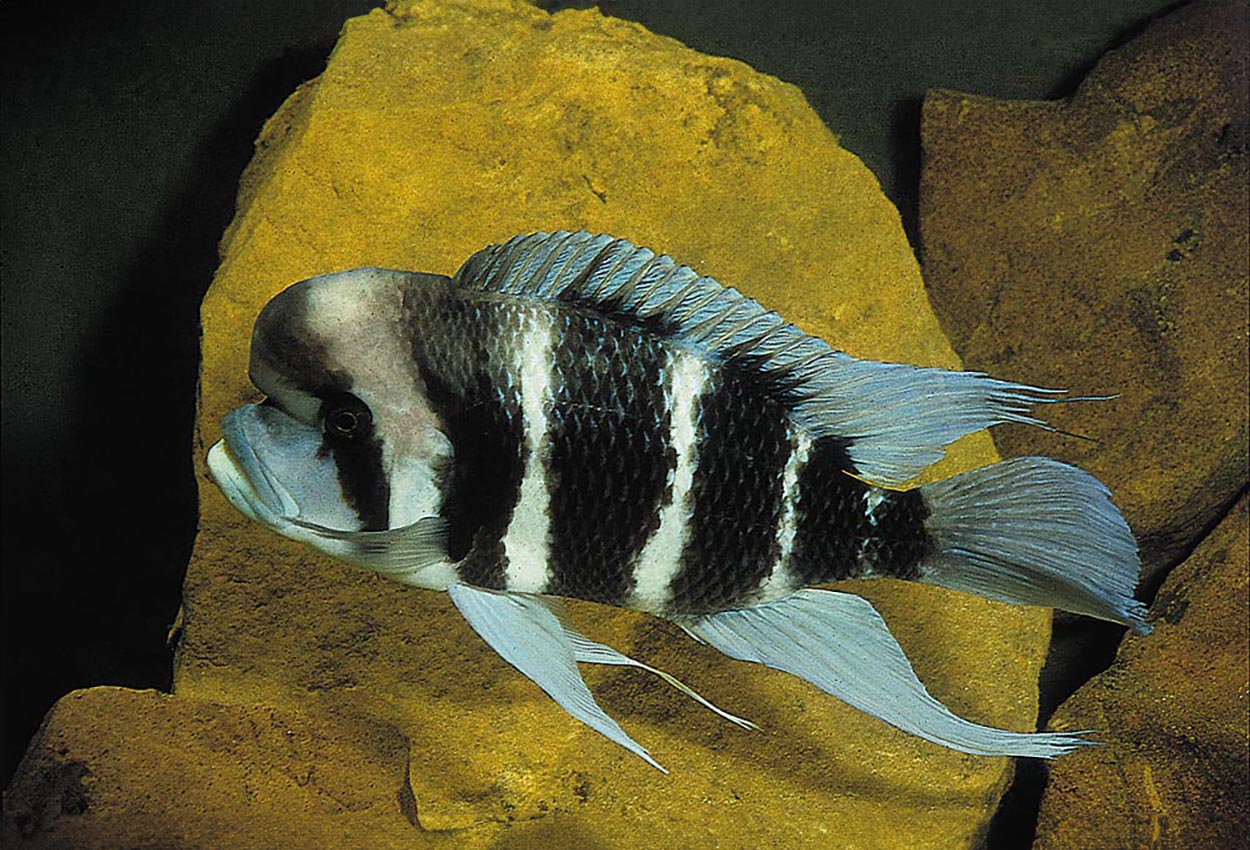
(125, 127)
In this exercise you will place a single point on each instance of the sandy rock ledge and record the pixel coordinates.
(112, 768)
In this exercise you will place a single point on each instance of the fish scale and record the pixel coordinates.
(474, 391)
(604, 492)
(833, 526)
(737, 496)
(608, 456)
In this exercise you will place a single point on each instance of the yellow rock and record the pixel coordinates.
(113, 767)
(435, 130)
(1176, 773)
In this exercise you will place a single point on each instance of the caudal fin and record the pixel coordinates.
(1034, 531)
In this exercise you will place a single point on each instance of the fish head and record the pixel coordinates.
(345, 443)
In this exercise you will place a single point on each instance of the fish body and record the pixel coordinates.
(605, 464)
(572, 416)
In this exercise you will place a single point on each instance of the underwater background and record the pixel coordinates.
(125, 129)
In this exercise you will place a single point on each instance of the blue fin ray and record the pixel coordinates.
(396, 553)
(528, 635)
(1034, 531)
(588, 651)
(897, 418)
(839, 643)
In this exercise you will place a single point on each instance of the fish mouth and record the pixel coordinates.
(242, 476)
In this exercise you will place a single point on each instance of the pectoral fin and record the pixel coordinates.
(838, 642)
(530, 637)
(404, 554)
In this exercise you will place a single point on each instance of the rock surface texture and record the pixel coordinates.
(1179, 700)
(437, 129)
(1100, 245)
(118, 768)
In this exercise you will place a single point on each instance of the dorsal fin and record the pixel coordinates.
(896, 418)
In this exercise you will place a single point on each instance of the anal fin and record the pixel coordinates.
(838, 642)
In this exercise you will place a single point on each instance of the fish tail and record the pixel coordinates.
(1034, 531)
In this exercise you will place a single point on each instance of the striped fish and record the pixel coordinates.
(573, 416)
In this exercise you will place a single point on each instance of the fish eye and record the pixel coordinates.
(346, 418)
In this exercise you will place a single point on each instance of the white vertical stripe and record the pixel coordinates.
(873, 497)
(414, 489)
(660, 559)
(781, 581)
(525, 542)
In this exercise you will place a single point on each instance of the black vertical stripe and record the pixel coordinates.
(357, 460)
(461, 348)
(834, 527)
(608, 457)
(831, 516)
(736, 495)
(282, 342)
(482, 487)
(362, 481)
(898, 542)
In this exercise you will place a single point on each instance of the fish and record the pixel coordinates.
(571, 416)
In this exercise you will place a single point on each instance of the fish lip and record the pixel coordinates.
(225, 472)
(243, 477)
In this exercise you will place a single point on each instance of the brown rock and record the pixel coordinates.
(435, 130)
(112, 768)
(1176, 773)
(1100, 245)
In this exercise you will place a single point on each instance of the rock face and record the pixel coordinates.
(435, 130)
(112, 767)
(1100, 245)
(1179, 701)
